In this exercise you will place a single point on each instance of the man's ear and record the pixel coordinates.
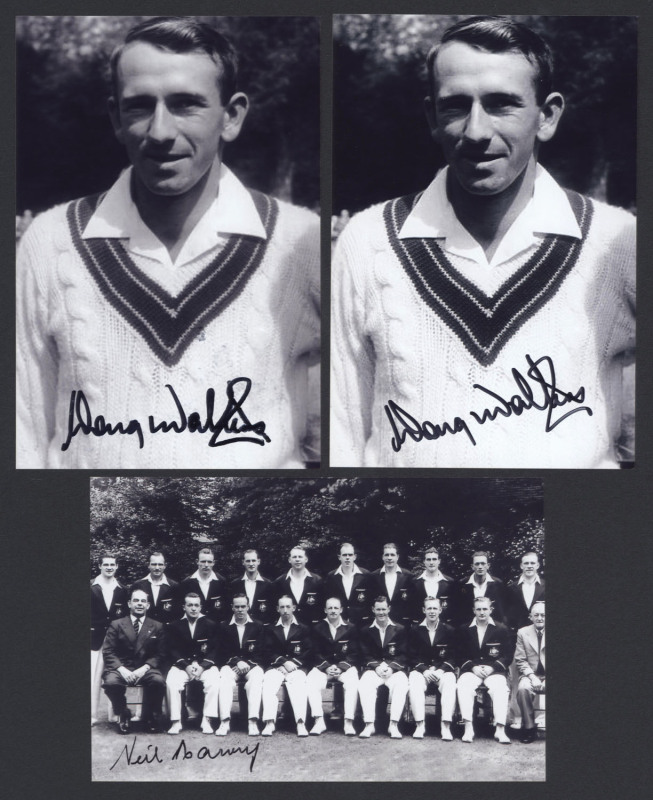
(431, 118)
(114, 116)
(550, 113)
(235, 113)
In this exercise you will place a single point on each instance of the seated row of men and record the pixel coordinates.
(353, 585)
(433, 654)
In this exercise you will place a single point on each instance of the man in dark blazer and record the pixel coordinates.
(351, 584)
(193, 651)
(108, 602)
(480, 584)
(306, 588)
(257, 589)
(290, 657)
(530, 661)
(134, 653)
(162, 591)
(384, 661)
(432, 662)
(396, 584)
(433, 583)
(336, 649)
(485, 652)
(209, 585)
(243, 649)
(526, 590)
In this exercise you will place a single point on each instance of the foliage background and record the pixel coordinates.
(131, 517)
(382, 147)
(66, 146)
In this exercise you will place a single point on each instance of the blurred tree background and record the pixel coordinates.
(134, 516)
(66, 146)
(382, 147)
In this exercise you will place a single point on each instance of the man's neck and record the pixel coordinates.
(172, 217)
(431, 624)
(530, 581)
(298, 573)
(156, 579)
(335, 624)
(383, 625)
(347, 569)
(105, 580)
(392, 569)
(489, 217)
(479, 578)
(432, 576)
(249, 577)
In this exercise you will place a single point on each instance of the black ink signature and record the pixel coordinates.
(416, 430)
(552, 397)
(232, 420)
(542, 377)
(183, 753)
(80, 409)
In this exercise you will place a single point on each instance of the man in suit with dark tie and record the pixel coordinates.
(530, 662)
(290, 657)
(243, 648)
(486, 648)
(432, 660)
(162, 591)
(335, 644)
(384, 660)
(209, 585)
(525, 591)
(351, 584)
(108, 602)
(193, 650)
(258, 590)
(134, 654)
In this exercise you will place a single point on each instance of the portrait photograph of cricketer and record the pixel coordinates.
(485, 317)
(169, 317)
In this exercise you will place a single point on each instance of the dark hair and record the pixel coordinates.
(500, 35)
(238, 595)
(184, 35)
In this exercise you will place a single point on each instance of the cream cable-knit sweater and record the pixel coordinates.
(69, 339)
(387, 345)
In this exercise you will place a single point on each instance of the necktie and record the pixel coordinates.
(137, 625)
(540, 666)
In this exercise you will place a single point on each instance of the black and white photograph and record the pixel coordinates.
(170, 317)
(485, 317)
(237, 623)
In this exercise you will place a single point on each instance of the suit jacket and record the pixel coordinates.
(216, 605)
(356, 608)
(495, 591)
(526, 655)
(298, 647)
(264, 606)
(310, 606)
(101, 617)
(168, 606)
(403, 596)
(394, 650)
(496, 651)
(518, 610)
(447, 594)
(344, 650)
(253, 648)
(441, 654)
(184, 649)
(122, 648)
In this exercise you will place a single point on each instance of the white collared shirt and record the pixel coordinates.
(240, 627)
(286, 628)
(297, 584)
(348, 580)
(107, 589)
(480, 589)
(250, 586)
(432, 633)
(481, 631)
(390, 579)
(232, 211)
(204, 583)
(548, 211)
(156, 585)
(528, 589)
(333, 629)
(382, 631)
(431, 585)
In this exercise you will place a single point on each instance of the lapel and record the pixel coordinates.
(144, 632)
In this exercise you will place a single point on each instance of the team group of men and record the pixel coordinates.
(361, 629)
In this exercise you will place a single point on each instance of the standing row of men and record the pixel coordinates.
(305, 658)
